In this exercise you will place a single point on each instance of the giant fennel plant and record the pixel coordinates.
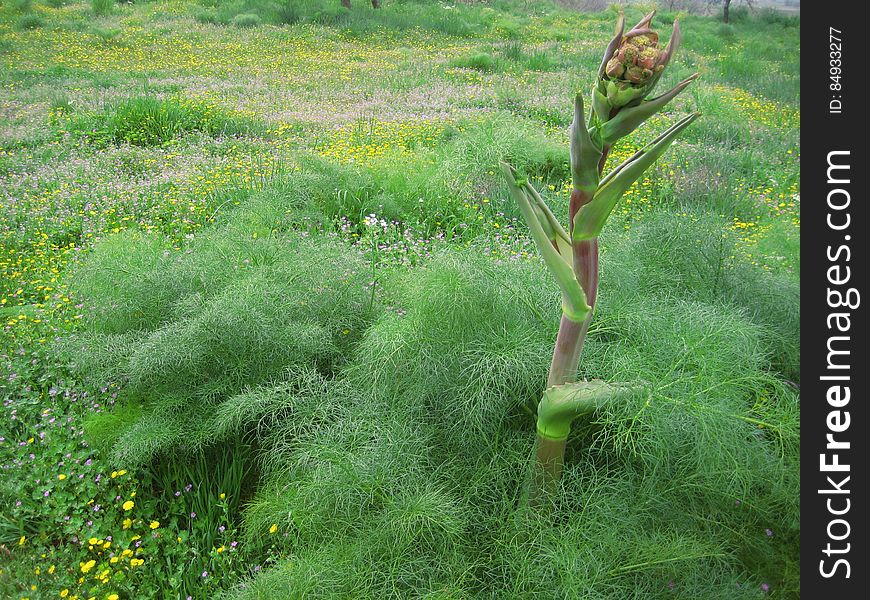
(629, 71)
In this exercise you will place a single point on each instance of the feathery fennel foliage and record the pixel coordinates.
(668, 494)
(190, 331)
(393, 444)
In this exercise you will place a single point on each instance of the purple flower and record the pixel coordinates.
(221, 529)
(765, 588)
(671, 584)
(188, 487)
(205, 574)
(193, 515)
(769, 532)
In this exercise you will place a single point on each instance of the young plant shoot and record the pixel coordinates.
(629, 71)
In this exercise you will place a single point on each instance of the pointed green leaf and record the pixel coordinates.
(584, 153)
(600, 105)
(590, 219)
(673, 44)
(560, 237)
(629, 118)
(573, 298)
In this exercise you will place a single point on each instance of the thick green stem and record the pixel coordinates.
(566, 354)
(550, 453)
(558, 409)
(549, 458)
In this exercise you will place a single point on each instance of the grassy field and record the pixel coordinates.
(272, 324)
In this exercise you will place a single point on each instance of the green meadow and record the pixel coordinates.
(273, 327)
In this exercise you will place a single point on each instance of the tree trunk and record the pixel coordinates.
(376, 3)
(345, 3)
(725, 16)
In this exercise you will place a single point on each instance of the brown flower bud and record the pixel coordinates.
(634, 74)
(614, 68)
(627, 54)
(644, 40)
(648, 58)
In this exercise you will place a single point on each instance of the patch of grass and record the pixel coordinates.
(458, 20)
(30, 21)
(103, 7)
(150, 121)
(480, 61)
(22, 6)
(726, 32)
(535, 59)
(246, 20)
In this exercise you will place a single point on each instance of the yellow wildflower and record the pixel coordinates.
(128, 505)
(88, 565)
(154, 524)
(273, 528)
(61, 476)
